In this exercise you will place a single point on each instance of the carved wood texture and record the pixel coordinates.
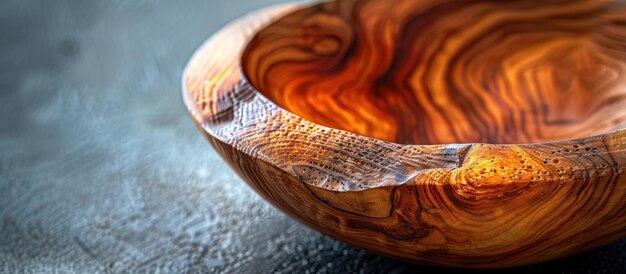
(369, 121)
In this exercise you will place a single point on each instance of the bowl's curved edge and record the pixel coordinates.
(225, 105)
(460, 189)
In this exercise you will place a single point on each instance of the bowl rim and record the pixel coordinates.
(217, 95)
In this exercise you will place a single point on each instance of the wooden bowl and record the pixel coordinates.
(455, 133)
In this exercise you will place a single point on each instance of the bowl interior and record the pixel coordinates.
(435, 72)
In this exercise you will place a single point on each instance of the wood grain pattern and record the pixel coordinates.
(414, 73)
(399, 128)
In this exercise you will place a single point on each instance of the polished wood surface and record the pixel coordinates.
(428, 130)
(433, 72)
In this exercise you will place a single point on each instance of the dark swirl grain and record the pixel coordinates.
(438, 72)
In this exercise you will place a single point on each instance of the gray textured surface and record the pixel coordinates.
(102, 170)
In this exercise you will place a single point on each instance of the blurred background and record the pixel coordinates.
(102, 169)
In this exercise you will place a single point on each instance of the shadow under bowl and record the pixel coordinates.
(463, 134)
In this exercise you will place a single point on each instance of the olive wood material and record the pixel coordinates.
(468, 134)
